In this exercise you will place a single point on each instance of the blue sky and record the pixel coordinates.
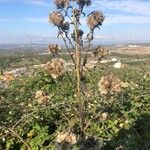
(26, 21)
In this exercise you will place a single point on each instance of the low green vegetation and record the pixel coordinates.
(14, 61)
(116, 120)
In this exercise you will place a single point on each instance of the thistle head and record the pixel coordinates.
(100, 52)
(76, 12)
(79, 34)
(41, 97)
(66, 137)
(61, 4)
(56, 18)
(65, 26)
(55, 67)
(54, 48)
(78, 39)
(110, 83)
(95, 19)
(84, 2)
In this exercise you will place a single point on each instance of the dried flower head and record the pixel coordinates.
(41, 97)
(95, 19)
(147, 75)
(66, 137)
(7, 77)
(89, 66)
(61, 4)
(83, 3)
(79, 36)
(90, 36)
(100, 52)
(110, 83)
(54, 49)
(64, 28)
(102, 116)
(55, 67)
(76, 13)
(56, 18)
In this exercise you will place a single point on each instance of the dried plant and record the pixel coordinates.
(110, 84)
(61, 4)
(54, 49)
(83, 3)
(56, 18)
(79, 36)
(41, 97)
(147, 75)
(63, 30)
(76, 41)
(66, 137)
(55, 67)
(100, 52)
(95, 19)
(76, 13)
(102, 116)
(7, 77)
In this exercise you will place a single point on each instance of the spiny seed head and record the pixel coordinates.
(95, 19)
(76, 12)
(79, 34)
(56, 18)
(7, 77)
(66, 137)
(41, 97)
(102, 116)
(54, 48)
(110, 83)
(84, 2)
(65, 26)
(61, 3)
(100, 52)
(55, 67)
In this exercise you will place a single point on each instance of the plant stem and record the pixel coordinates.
(78, 75)
(12, 131)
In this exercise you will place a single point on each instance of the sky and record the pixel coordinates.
(26, 21)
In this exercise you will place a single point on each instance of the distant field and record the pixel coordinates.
(124, 54)
(142, 50)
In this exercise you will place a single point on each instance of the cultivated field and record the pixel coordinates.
(139, 50)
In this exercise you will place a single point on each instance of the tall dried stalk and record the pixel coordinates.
(94, 20)
(78, 75)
